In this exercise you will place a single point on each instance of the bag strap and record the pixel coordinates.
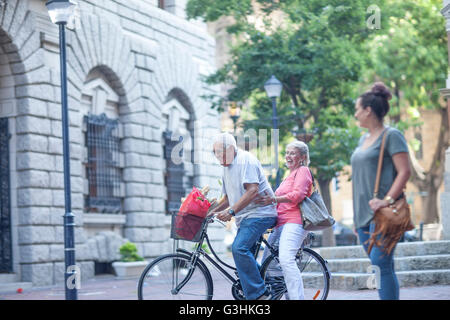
(312, 176)
(380, 164)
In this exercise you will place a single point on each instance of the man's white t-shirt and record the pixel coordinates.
(245, 168)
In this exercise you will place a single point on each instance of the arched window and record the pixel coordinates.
(177, 144)
(103, 192)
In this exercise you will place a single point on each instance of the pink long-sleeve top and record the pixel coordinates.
(295, 187)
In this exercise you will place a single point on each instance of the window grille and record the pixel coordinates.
(5, 205)
(103, 164)
(174, 173)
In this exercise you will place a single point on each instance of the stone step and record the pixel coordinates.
(419, 278)
(407, 263)
(8, 287)
(426, 262)
(357, 281)
(403, 249)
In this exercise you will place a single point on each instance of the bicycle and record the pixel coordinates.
(184, 275)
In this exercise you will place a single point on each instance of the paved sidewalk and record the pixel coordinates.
(109, 288)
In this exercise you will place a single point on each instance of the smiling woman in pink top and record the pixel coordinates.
(289, 229)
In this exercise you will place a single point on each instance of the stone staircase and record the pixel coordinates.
(9, 283)
(416, 264)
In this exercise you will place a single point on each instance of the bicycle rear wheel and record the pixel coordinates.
(162, 278)
(315, 275)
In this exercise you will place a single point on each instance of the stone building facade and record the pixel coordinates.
(134, 86)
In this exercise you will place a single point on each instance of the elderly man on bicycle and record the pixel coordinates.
(243, 181)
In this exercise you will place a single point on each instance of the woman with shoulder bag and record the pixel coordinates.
(289, 230)
(385, 150)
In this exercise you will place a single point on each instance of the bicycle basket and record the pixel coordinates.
(186, 227)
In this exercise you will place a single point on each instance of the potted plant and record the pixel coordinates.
(131, 263)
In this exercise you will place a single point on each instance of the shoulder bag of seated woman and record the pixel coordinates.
(390, 222)
(314, 213)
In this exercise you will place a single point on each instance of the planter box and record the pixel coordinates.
(129, 270)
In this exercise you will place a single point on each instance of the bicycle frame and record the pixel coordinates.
(185, 264)
(217, 262)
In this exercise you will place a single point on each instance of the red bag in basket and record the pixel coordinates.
(187, 226)
(189, 219)
(195, 204)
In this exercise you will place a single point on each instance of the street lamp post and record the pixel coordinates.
(273, 89)
(60, 11)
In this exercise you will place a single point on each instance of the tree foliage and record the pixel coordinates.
(325, 55)
(409, 54)
(314, 48)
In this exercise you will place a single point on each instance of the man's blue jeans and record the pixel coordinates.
(249, 232)
(389, 288)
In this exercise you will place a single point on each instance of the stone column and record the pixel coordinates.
(445, 197)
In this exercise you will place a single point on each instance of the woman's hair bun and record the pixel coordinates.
(380, 89)
(378, 99)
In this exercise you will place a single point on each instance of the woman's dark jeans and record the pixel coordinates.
(389, 288)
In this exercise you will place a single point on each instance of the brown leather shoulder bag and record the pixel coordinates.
(390, 222)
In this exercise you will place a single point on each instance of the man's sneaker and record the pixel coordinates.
(266, 296)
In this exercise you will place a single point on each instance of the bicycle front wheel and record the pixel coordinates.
(174, 277)
(313, 269)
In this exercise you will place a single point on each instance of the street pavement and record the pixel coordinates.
(107, 287)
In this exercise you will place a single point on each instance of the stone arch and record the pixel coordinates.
(7, 78)
(99, 46)
(99, 51)
(19, 49)
(183, 99)
(102, 156)
(177, 76)
(16, 31)
(111, 78)
(99, 54)
(104, 78)
(178, 144)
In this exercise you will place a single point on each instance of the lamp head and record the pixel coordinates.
(234, 110)
(273, 87)
(60, 11)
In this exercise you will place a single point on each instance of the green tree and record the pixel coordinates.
(409, 53)
(315, 49)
